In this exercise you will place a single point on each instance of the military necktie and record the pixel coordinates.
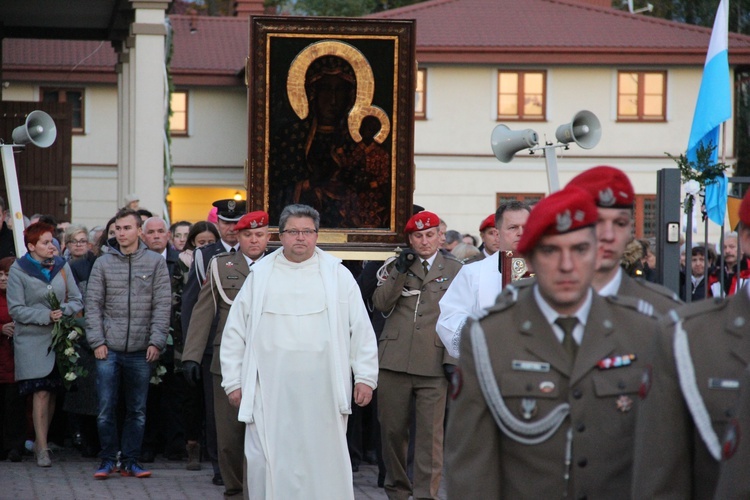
(232, 250)
(568, 324)
(426, 267)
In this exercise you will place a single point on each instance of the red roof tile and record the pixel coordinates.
(550, 30)
(217, 47)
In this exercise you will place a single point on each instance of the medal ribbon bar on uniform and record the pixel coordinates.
(616, 361)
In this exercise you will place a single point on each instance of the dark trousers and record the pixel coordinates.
(12, 419)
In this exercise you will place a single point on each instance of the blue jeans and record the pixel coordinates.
(131, 371)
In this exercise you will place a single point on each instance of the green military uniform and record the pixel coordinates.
(524, 423)
(225, 275)
(411, 358)
(690, 396)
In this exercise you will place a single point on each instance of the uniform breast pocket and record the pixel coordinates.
(720, 398)
(616, 391)
(531, 396)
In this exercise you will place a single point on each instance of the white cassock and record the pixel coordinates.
(295, 442)
(474, 289)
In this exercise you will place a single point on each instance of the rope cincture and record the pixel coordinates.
(382, 276)
(691, 393)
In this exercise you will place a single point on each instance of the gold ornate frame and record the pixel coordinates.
(382, 57)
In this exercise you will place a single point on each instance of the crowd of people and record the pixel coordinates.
(197, 342)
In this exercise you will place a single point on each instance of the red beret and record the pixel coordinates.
(253, 220)
(421, 221)
(609, 186)
(487, 223)
(745, 210)
(561, 212)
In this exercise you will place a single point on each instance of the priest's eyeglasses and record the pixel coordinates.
(296, 232)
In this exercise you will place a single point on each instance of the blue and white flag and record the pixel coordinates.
(714, 107)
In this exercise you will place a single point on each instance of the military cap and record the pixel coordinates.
(487, 223)
(230, 210)
(745, 209)
(609, 186)
(253, 220)
(561, 212)
(421, 221)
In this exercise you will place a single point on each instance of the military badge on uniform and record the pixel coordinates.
(616, 361)
(229, 263)
(645, 383)
(624, 403)
(547, 386)
(723, 383)
(731, 439)
(530, 366)
(419, 224)
(528, 408)
(456, 383)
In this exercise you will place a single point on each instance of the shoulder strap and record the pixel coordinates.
(693, 399)
(200, 269)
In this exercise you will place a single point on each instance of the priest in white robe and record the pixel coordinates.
(296, 336)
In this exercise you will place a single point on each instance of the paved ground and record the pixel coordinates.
(71, 477)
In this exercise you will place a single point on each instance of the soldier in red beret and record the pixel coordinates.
(412, 359)
(691, 392)
(225, 276)
(490, 239)
(615, 199)
(545, 394)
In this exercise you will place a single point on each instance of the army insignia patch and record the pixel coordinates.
(253, 224)
(616, 361)
(731, 439)
(456, 383)
(229, 264)
(231, 205)
(624, 404)
(419, 224)
(645, 383)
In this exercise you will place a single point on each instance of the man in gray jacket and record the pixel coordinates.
(128, 305)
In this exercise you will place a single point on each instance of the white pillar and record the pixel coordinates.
(141, 98)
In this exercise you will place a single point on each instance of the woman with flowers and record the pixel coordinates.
(41, 289)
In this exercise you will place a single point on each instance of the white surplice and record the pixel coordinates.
(295, 334)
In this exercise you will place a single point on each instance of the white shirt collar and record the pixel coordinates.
(551, 315)
(613, 286)
(430, 260)
(228, 247)
(164, 254)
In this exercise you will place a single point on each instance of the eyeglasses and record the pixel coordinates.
(78, 242)
(296, 232)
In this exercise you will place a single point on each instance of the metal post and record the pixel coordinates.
(14, 198)
(550, 161)
(668, 215)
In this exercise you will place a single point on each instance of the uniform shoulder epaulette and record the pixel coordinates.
(698, 308)
(524, 283)
(507, 298)
(634, 303)
(660, 289)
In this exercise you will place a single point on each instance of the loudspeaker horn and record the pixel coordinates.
(38, 130)
(585, 130)
(506, 142)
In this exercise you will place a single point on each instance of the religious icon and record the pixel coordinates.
(331, 114)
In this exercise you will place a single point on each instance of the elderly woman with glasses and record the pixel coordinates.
(76, 242)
